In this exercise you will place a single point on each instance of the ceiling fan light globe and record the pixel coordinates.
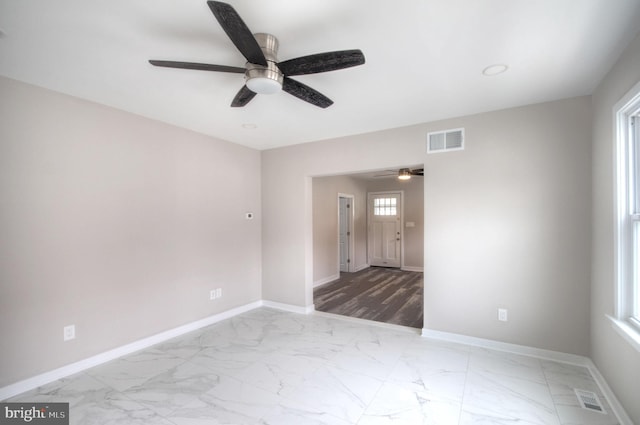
(404, 174)
(263, 85)
(263, 79)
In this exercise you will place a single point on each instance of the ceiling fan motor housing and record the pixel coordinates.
(265, 79)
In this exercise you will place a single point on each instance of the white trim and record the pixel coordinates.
(412, 269)
(618, 409)
(289, 307)
(621, 237)
(64, 371)
(619, 194)
(628, 332)
(362, 267)
(507, 347)
(351, 236)
(326, 280)
(623, 111)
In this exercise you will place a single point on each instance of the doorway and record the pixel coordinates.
(372, 293)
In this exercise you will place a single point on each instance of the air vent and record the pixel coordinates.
(589, 400)
(444, 141)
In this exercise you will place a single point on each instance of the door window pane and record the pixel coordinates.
(384, 206)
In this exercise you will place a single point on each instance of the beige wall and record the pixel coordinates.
(507, 224)
(325, 224)
(615, 358)
(117, 224)
(507, 220)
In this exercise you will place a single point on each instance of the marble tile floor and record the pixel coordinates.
(278, 368)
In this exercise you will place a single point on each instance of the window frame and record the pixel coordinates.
(627, 218)
(385, 207)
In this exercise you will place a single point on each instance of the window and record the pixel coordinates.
(634, 213)
(628, 214)
(384, 206)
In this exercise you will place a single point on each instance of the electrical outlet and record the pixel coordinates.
(214, 294)
(69, 332)
(503, 314)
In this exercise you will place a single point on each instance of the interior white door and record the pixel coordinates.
(344, 232)
(385, 229)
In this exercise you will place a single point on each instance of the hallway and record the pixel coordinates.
(376, 293)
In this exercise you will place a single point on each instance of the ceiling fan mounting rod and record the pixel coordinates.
(265, 79)
(269, 45)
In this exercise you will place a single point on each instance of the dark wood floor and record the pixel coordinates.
(376, 293)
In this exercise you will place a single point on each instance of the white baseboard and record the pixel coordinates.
(59, 373)
(330, 279)
(412, 269)
(618, 410)
(326, 280)
(404, 268)
(288, 307)
(507, 347)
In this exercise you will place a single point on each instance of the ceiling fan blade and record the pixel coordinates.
(243, 97)
(306, 93)
(238, 32)
(322, 62)
(197, 66)
(417, 172)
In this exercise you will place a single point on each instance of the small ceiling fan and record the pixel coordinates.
(403, 173)
(263, 73)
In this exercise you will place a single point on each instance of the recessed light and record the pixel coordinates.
(249, 126)
(496, 69)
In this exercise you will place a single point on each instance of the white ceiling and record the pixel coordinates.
(424, 58)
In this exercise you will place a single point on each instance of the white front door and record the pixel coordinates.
(385, 229)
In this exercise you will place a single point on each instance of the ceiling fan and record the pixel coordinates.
(263, 73)
(403, 173)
